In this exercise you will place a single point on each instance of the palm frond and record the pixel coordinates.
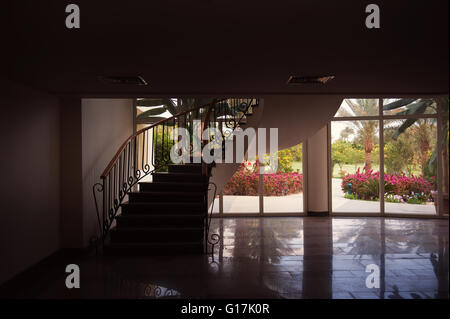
(152, 112)
(402, 128)
(397, 104)
(150, 102)
(354, 107)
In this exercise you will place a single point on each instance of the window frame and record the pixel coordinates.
(261, 212)
(381, 118)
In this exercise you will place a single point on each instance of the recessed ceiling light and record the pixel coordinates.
(322, 79)
(124, 80)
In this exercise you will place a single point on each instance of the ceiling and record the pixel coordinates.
(225, 47)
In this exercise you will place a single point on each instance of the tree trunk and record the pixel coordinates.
(368, 148)
(368, 161)
(423, 161)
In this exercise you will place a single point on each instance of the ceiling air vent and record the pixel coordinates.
(124, 80)
(321, 79)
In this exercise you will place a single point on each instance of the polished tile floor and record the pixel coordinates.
(272, 257)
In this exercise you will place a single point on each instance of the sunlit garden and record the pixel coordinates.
(281, 188)
(410, 154)
(403, 153)
(287, 179)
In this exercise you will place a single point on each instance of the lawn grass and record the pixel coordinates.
(351, 169)
(348, 168)
(297, 166)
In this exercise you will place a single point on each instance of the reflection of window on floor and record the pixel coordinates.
(379, 242)
(409, 166)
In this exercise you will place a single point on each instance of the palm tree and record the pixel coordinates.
(366, 130)
(407, 107)
(173, 106)
(345, 133)
(423, 131)
(420, 106)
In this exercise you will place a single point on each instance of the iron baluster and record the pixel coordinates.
(125, 170)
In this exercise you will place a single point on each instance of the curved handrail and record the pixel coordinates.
(131, 163)
(122, 147)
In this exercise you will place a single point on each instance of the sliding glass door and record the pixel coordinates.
(387, 156)
(277, 192)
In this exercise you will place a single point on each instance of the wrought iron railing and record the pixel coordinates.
(231, 114)
(148, 151)
(212, 240)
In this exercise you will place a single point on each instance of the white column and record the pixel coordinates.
(317, 181)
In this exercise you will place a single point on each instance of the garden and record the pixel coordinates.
(410, 151)
(287, 180)
(398, 188)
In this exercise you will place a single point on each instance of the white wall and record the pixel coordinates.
(30, 178)
(106, 124)
(298, 117)
(318, 172)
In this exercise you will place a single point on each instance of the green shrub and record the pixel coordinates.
(351, 196)
(343, 152)
(297, 152)
(369, 190)
(403, 188)
(285, 161)
(162, 156)
(415, 200)
(398, 154)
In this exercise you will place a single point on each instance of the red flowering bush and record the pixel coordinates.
(245, 182)
(281, 184)
(365, 185)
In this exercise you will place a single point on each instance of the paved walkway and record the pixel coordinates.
(342, 204)
(294, 204)
(250, 204)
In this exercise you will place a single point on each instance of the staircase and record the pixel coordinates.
(168, 215)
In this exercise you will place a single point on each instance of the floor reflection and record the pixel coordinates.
(276, 257)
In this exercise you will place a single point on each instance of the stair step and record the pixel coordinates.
(163, 208)
(175, 220)
(159, 197)
(166, 216)
(156, 234)
(173, 186)
(192, 168)
(179, 177)
(153, 249)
